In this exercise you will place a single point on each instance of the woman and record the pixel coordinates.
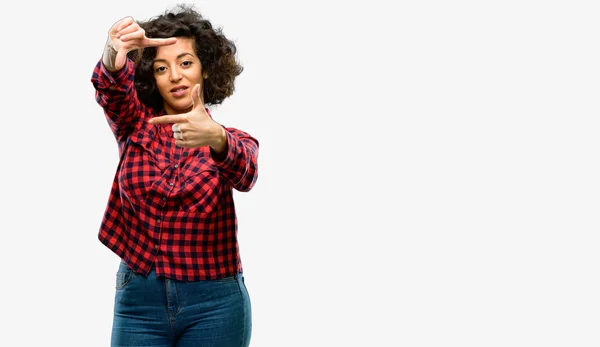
(170, 215)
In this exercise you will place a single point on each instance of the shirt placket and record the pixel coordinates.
(169, 185)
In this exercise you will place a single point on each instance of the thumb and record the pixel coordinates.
(120, 59)
(197, 99)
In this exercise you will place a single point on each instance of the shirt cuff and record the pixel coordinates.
(232, 148)
(108, 78)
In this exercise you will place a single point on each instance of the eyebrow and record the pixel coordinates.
(178, 57)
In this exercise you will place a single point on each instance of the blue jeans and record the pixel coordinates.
(159, 312)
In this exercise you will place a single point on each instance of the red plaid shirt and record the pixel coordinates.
(170, 206)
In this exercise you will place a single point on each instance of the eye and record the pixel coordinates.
(186, 63)
(160, 69)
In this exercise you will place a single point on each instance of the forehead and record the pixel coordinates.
(183, 45)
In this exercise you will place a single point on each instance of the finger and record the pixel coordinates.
(167, 119)
(133, 28)
(140, 34)
(180, 143)
(124, 23)
(159, 42)
(197, 97)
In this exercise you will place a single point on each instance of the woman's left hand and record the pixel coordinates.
(195, 128)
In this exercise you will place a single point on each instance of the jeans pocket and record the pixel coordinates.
(123, 276)
(230, 279)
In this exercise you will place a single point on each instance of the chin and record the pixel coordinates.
(181, 107)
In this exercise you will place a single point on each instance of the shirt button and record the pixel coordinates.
(176, 165)
(164, 199)
(171, 183)
(156, 247)
(158, 221)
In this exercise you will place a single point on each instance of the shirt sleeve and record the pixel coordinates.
(116, 94)
(240, 165)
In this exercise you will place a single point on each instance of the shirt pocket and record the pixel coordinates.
(200, 189)
(141, 166)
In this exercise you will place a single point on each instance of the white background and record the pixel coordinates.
(428, 171)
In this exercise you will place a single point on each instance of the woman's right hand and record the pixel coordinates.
(125, 36)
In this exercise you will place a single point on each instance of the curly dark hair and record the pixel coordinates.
(217, 55)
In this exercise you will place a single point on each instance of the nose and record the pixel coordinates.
(174, 76)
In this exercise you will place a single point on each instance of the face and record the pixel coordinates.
(176, 70)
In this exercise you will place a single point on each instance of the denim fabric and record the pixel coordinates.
(159, 312)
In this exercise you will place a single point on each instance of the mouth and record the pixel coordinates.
(179, 91)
